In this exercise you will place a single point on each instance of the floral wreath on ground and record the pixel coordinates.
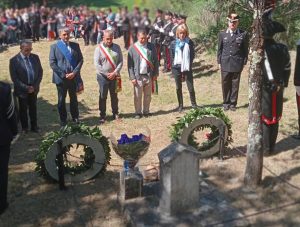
(87, 159)
(195, 114)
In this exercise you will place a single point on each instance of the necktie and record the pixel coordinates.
(30, 72)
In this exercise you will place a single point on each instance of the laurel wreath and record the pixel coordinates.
(87, 158)
(195, 114)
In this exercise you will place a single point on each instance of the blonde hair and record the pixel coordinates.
(182, 28)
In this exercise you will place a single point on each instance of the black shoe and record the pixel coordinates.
(138, 116)
(76, 121)
(102, 120)
(179, 109)
(25, 130)
(147, 114)
(2, 209)
(63, 123)
(225, 108)
(232, 108)
(35, 129)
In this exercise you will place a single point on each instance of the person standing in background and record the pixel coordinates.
(26, 72)
(232, 56)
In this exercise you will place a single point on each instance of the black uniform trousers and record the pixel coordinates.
(68, 86)
(230, 88)
(35, 30)
(4, 158)
(28, 105)
(270, 131)
(126, 38)
(86, 38)
(188, 77)
(298, 107)
(106, 85)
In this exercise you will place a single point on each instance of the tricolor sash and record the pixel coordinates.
(108, 56)
(112, 62)
(65, 51)
(143, 55)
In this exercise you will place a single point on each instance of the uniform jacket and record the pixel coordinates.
(192, 52)
(279, 59)
(297, 66)
(8, 122)
(60, 65)
(232, 50)
(134, 59)
(18, 74)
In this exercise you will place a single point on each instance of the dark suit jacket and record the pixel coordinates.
(8, 122)
(18, 74)
(232, 50)
(134, 60)
(60, 65)
(297, 66)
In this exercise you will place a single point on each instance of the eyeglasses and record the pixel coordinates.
(233, 22)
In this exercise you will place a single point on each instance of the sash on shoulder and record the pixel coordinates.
(111, 61)
(64, 50)
(143, 54)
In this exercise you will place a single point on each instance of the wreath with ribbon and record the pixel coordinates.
(177, 129)
(87, 159)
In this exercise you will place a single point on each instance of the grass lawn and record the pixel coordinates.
(94, 203)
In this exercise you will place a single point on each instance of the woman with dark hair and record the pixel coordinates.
(183, 53)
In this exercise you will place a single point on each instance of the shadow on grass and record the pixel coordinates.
(37, 201)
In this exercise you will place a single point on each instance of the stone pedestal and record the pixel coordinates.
(131, 185)
(179, 169)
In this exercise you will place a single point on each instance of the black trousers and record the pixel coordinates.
(189, 82)
(28, 105)
(35, 33)
(106, 85)
(68, 86)
(270, 131)
(230, 88)
(4, 159)
(86, 38)
(126, 38)
(298, 107)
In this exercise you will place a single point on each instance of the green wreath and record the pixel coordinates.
(194, 114)
(87, 158)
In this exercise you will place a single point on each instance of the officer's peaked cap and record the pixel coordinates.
(233, 17)
(270, 28)
(159, 11)
(181, 16)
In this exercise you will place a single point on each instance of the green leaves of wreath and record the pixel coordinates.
(71, 129)
(194, 114)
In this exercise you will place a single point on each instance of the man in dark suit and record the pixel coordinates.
(8, 129)
(66, 61)
(26, 73)
(232, 56)
(143, 70)
(276, 73)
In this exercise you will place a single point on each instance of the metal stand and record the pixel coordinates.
(222, 133)
(60, 165)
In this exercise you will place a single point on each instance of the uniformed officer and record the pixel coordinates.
(276, 73)
(297, 86)
(232, 56)
(135, 20)
(145, 22)
(155, 33)
(8, 129)
(166, 41)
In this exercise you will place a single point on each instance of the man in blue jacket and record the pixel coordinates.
(66, 61)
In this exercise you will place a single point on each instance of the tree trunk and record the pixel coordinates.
(253, 173)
